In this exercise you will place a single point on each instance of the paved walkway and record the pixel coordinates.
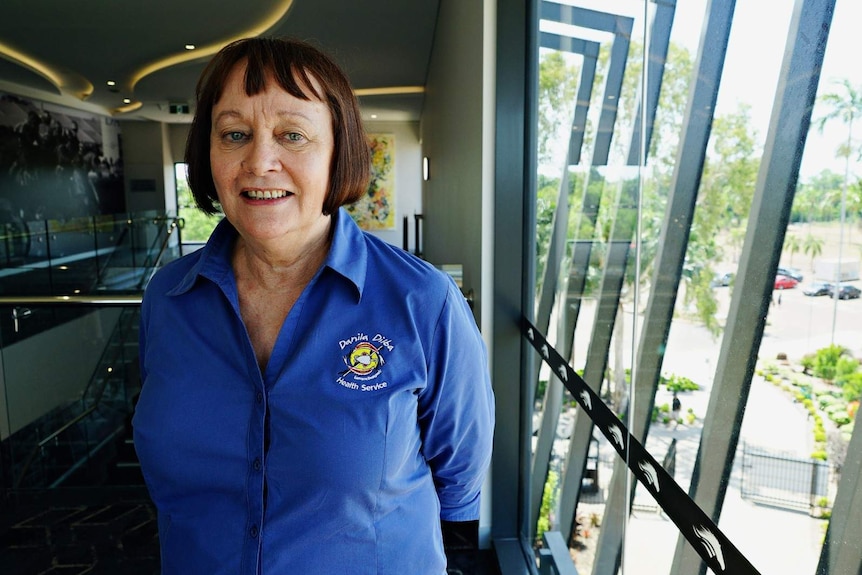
(776, 541)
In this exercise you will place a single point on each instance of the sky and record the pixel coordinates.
(755, 52)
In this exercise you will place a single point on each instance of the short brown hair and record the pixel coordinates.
(291, 63)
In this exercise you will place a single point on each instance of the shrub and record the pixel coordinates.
(680, 383)
(807, 363)
(819, 455)
(851, 386)
(548, 500)
(845, 366)
(826, 400)
(840, 417)
(826, 361)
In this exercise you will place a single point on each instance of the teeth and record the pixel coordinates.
(266, 194)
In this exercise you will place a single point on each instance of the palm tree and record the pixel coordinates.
(812, 246)
(845, 105)
(792, 245)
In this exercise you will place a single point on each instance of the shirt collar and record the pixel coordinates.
(348, 255)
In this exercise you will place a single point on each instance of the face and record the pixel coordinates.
(271, 156)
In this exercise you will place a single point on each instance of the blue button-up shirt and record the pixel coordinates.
(371, 423)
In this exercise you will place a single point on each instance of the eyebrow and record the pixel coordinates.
(236, 114)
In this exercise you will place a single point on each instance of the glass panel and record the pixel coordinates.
(83, 255)
(726, 298)
(63, 414)
(197, 226)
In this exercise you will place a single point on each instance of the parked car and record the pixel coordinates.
(791, 273)
(784, 282)
(721, 280)
(818, 289)
(846, 291)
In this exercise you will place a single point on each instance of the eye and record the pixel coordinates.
(294, 136)
(234, 136)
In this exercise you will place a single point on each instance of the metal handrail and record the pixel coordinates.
(176, 224)
(98, 300)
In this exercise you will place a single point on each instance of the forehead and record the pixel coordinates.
(239, 82)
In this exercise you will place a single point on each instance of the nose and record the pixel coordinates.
(261, 157)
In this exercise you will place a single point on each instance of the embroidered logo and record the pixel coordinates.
(364, 361)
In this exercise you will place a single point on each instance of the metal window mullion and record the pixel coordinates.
(770, 212)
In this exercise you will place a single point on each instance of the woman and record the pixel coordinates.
(314, 400)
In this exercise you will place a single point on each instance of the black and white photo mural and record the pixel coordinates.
(57, 163)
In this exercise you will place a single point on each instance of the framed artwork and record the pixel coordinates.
(376, 209)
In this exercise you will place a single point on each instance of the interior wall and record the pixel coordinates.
(32, 382)
(452, 132)
(408, 180)
(457, 135)
(144, 159)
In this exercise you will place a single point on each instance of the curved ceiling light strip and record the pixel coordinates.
(65, 82)
(399, 90)
(275, 17)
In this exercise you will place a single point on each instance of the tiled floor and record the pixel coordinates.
(77, 538)
(112, 533)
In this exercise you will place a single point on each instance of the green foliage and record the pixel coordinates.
(549, 497)
(840, 417)
(851, 386)
(197, 226)
(819, 455)
(807, 363)
(680, 383)
(826, 361)
(558, 81)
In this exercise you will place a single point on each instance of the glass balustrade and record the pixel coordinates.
(66, 395)
(83, 255)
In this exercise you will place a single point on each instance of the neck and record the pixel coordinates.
(286, 260)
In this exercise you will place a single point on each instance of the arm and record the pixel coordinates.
(456, 411)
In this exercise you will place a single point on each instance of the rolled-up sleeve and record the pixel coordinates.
(456, 410)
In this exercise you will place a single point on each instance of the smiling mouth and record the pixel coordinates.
(266, 194)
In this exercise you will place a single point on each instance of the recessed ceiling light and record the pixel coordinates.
(111, 83)
(127, 101)
(373, 116)
(190, 46)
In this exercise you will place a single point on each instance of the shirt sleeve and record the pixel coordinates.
(456, 410)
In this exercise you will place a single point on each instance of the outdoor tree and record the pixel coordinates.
(558, 80)
(844, 105)
(812, 246)
(723, 203)
(815, 199)
(792, 245)
(197, 226)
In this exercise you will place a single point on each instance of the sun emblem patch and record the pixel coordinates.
(364, 359)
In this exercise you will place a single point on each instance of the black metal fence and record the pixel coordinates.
(783, 479)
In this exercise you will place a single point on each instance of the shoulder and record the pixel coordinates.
(172, 274)
(403, 269)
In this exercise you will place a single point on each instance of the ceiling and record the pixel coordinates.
(67, 52)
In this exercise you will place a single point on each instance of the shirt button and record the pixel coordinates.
(259, 397)
(256, 464)
(253, 531)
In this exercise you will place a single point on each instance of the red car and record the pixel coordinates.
(784, 282)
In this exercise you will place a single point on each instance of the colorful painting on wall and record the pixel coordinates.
(376, 209)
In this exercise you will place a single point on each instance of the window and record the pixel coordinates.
(197, 225)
